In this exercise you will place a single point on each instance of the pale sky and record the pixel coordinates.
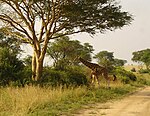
(130, 38)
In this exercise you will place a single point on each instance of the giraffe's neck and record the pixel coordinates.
(90, 65)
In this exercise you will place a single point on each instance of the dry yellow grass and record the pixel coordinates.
(21, 101)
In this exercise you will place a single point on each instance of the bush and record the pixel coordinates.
(76, 78)
(10, 67)
(126, 75)
(144, 71)
(56, 78)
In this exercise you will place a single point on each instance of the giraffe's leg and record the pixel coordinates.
(98, 80)
(92, 79)
(108, 83)
(107, 79)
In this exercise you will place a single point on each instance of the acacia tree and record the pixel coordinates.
(107, 59)
(142, 56)
(36, 22)
(64, 52)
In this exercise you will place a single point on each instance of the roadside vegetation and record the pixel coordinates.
(35, 100)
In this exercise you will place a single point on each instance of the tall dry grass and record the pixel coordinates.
(22, 101)
(42, 101)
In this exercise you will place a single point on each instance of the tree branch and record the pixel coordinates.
(66, 34)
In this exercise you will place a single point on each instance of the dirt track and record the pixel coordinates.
(137, 104)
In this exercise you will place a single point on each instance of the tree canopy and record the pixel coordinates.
(142, 56)
(64, 52)
(107, 59)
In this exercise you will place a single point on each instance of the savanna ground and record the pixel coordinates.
(48, 101)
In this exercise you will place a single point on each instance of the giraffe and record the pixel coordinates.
(97, 70)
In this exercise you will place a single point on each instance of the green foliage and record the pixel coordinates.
(10, 66)
(107, 59)
(70, 77)
(144, 71)
(64, 52)
(119, 62)
(25, 76)
(142, 56)
(74, 16)
(87, 15)
(143, 79)
(10, 42)
(27, 60)
(126, 76)
(98, 12)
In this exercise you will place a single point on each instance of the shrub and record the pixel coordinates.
(56, 77)
(76, 78)
(144, 71)
(127, 75)
(10, 67)
(125, 80)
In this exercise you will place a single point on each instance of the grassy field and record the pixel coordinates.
(37, 101)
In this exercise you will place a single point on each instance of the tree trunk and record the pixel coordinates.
(37, 67)
(38, 58)
(33, 67)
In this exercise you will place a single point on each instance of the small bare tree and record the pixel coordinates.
(35, 22)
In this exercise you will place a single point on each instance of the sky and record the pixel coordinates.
(130, 38)
(123, 42)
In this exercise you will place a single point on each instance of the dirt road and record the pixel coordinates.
(137, 104)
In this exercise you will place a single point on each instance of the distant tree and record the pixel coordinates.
(36, 22)
(64, 52)
(142, 56)
(107, 59)
(119, 62)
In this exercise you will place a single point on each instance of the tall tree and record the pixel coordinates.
(142, 56)
(107, 59)
(119, 62)
(64, 52)
(37, 21)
